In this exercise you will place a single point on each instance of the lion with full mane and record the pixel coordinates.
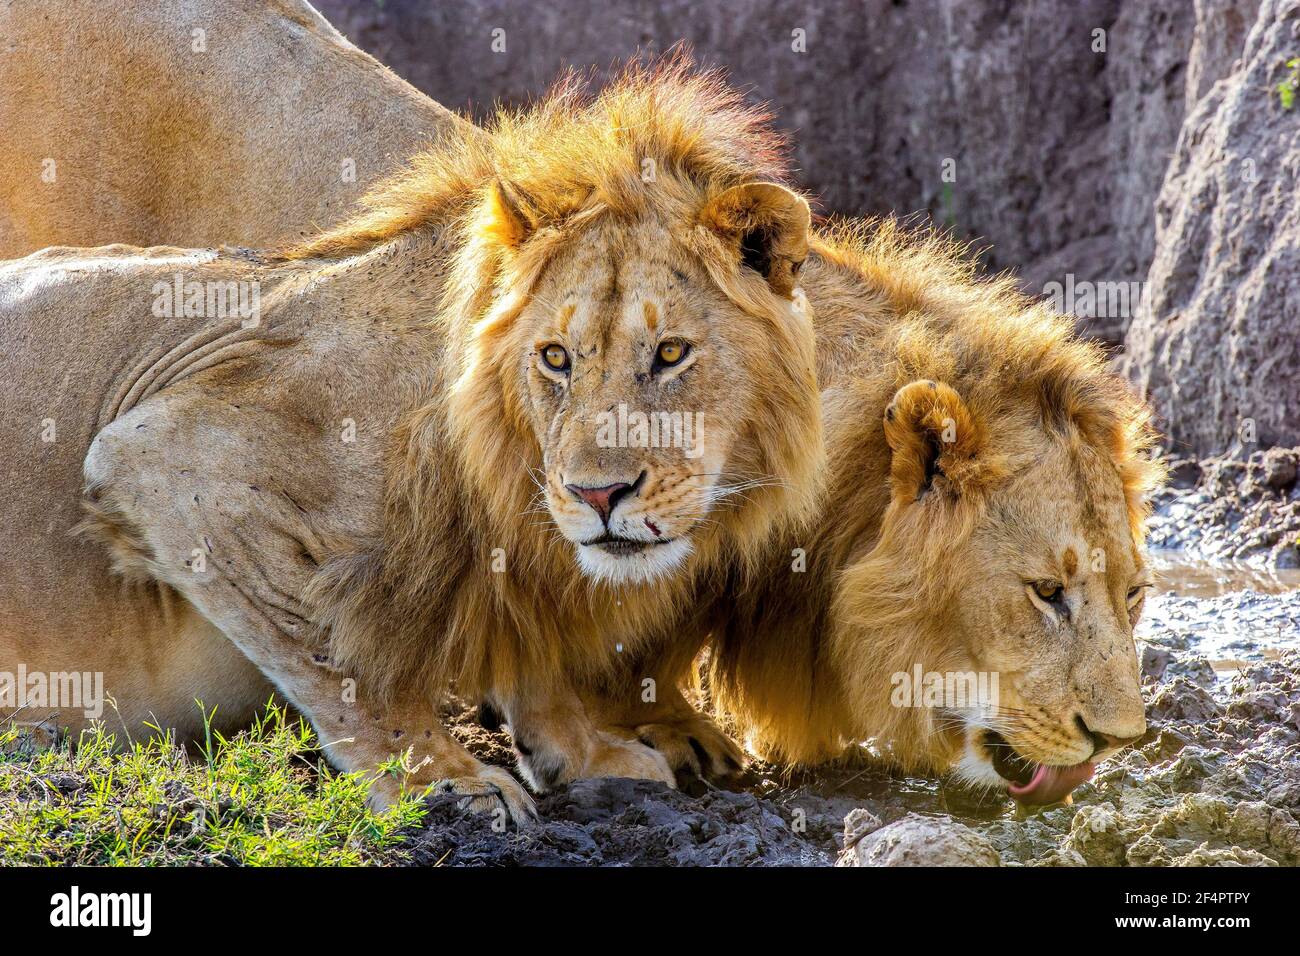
(981, 520)
(389, 479)
(805, 660)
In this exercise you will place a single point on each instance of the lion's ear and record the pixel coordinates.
(935, 441)
(509, 215)
(767, 227)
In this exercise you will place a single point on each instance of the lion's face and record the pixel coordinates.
(640, 376)
(631, 347)
(649, 391)
(1017, 548)
(1058, 585)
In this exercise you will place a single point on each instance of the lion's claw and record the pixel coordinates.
(492, 791)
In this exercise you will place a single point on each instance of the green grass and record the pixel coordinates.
(263, 797)
(1286, 90)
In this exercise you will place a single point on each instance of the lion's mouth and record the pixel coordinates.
(1029, 783)
(622, 547)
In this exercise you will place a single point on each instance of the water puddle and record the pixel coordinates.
(1224, 616)
(1185, 577)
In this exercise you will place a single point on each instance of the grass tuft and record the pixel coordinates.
(262, 798)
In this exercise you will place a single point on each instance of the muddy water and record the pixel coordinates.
(1215, 780)
(1228, 614)
(1181, 576)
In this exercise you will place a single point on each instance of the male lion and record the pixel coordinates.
(192, 122)
(391, 476)
(852, 280)
(983, 514)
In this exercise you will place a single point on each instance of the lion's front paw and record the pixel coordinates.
(549, 763)
(694, 745)
(615, 757)
(488, 790)
(491, 790)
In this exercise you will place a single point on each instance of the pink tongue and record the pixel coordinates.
(1051, 784)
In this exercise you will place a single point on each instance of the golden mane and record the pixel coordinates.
(575, 150)
(996, 345)
(422, 606)
(895, 306)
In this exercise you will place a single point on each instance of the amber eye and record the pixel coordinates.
(1135, 594)
(1048, 590)
(556, 357)
(670, 353)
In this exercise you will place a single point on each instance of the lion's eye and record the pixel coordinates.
(670, 353)
(1051, 593)
(556, 357)
(1048, 590)
(1135, 594)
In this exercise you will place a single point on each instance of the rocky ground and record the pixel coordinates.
(1216, 780)
(1228, 509)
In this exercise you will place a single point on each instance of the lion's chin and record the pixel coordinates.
(618, 565)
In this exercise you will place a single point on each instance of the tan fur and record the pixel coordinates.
(1048, 456)
(246, 143)
(326, 561)
(884, 302)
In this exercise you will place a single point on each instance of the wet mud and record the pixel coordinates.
(1228, 509)
(1215, 780)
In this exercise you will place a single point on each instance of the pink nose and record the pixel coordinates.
(604, 500)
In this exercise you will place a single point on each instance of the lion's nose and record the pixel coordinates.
(603, 499)
(1103, 742)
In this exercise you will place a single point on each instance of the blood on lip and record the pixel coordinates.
(653, 527)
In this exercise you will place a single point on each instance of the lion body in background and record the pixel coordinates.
(174, 122)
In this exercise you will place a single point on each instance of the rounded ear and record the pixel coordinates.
(934, 439)
(767, 227)
(509, 215)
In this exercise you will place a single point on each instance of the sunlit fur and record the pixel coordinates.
(1051, 455)
(517, 212)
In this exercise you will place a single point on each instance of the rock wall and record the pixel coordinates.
(1099, 148)
(1215, 344)
(1057, 135)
